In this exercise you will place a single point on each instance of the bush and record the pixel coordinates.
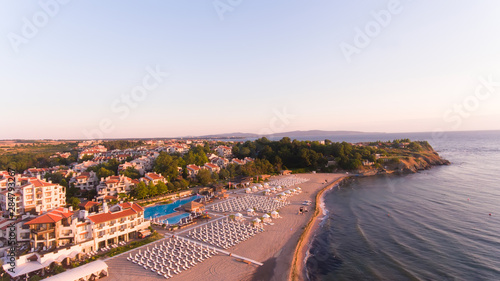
(35, 278)
(58, 269)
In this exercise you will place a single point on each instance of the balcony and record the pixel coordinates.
(66, 233)
(42, 229)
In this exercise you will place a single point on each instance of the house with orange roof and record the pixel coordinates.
(52, 229)
(153, 177)
(113, 185)
(143, 164)
(82, 167)
(90, 206)
(192, 170)
(177, 148)
(238, 161)
(212, 167)
(124, 166)
(224, 151)
(220, 161)
(85, 181)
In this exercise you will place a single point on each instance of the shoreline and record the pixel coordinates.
(298, 262)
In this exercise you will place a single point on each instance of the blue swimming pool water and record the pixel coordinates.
(161, 210)
(176, 219)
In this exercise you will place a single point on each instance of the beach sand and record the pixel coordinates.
(275, 247)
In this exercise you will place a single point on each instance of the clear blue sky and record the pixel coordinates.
(232, 73)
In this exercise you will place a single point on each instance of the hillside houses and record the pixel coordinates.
(224, 151)
(113, 185)
(212, 167)
(94, 151)
(192, 170)
(85, 181)
(220, 161)
(177, 148)
(153, 177)
(82, 167)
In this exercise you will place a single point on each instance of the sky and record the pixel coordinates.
(116, 69)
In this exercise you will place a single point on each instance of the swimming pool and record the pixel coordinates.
(176, 219)
(161, 210)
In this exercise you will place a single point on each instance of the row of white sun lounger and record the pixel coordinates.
(224, 233)
(288, 181)
(243, 203)
(172, 256)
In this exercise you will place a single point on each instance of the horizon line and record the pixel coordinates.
(213, 136)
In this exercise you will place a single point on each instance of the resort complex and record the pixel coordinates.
(165, 207)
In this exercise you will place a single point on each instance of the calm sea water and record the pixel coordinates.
(433, 225)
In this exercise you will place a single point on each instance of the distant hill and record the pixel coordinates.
(291, 134)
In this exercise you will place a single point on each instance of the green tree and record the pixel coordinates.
(131, 172)
(162, 188)
(152, 190)
(415, 146)
(54, 177)
(166, 165)
(204, 177)
(35, 278)
(141, 190)
(104, 173)
(86, 158)
(224, 174)
(73, 201)
(183, 183)
(64, 183)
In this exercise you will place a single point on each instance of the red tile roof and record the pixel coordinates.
(154, 176)
(213, 166)
(40, 183)
(52, 216)
(128, 210)
(193, 167)
(88, 204)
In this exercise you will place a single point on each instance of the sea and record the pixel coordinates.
(438, 224)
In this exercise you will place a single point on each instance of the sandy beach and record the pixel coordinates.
(297, 270)
(275, 247)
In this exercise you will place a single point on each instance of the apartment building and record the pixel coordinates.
(120, 222)
(34, 195)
